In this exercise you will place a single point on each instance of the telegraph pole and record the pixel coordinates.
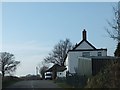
(36, 70)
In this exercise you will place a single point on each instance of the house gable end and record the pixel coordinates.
(84, 44)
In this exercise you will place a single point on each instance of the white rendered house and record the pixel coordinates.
(82, 50)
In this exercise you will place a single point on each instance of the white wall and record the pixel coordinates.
(95, 53)
(61, 74)
(84, 66)
(72, 59)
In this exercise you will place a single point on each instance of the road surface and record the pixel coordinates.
(32, 85)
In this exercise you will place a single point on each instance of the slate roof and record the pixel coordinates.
(82, 42)
(57, 68)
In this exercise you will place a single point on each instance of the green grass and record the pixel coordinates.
(9, 80)
(61, 82)
(63, 85)
(8, 83)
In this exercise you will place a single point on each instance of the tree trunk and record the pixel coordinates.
(3, 73)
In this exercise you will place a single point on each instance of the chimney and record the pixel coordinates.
(84, 34)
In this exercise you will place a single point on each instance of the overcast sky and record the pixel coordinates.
(30, 30)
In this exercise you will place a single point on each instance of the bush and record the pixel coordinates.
(76, 80)
(31, 77)
(60, 79)
(108, 78)
(8, 80)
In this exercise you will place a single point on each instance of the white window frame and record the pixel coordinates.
(85, 54)
(99, 53)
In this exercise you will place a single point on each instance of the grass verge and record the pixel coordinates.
(63, 85)
(9, 80)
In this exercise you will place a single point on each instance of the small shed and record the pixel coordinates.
(57, 70)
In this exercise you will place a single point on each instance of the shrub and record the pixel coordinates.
(108, 78)
(8, 80)
(77, 81)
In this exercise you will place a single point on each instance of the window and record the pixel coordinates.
(99, 53)
(86, 54)
(49, 74)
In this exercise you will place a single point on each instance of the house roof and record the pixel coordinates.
(56, 68)
(84, 34)
(84, 39)
(82, 42)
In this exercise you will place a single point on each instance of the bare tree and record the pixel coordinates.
(59, 52)
(42, 71)
(115, 24)
(42, 67)
(8, 62)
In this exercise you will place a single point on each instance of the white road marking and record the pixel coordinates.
(32, 85)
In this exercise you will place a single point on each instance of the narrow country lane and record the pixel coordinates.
(32, 85)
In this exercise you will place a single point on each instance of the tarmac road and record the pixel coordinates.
(32, 85)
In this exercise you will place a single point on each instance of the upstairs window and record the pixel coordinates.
(86, 54)
(99, 53)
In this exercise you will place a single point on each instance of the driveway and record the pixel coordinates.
(32, 85)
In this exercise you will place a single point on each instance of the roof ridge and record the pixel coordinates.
(81, 42)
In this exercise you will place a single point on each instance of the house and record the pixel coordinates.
(57, 71)
(77, 60)
(84, 59)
